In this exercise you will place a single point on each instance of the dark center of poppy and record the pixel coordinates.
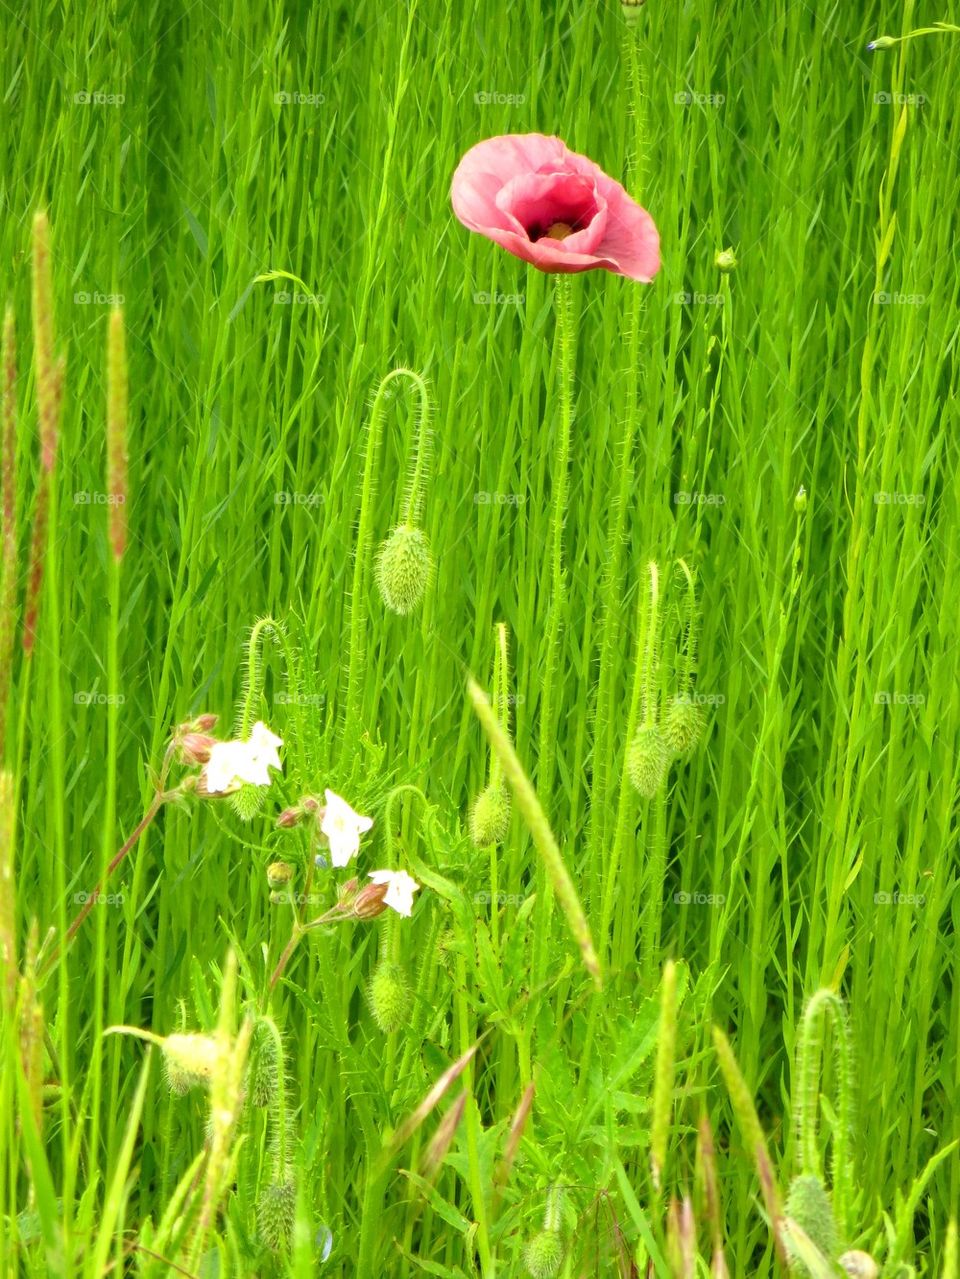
(555, 231)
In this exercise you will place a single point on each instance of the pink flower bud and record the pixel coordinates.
(293, 816)
(195, 747)
(369, 903)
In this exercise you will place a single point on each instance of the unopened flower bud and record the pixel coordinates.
(346, 892)
(490, 817)
(682, 726)
(276, 1215)
(543, 1255)
(265, 1066)
(390, 996)
(247, 801)
(194, 747)
(808, 1204)
(648, 760)
(881, 42)
(279, 873)
(306, 806)
(369, 902)
(202, 724)
(860, 1265)
(800, 501)
(403, 569)
(725, 261)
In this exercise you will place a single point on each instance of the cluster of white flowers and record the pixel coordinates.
(343, 827)
(238, 763)
(228, 766)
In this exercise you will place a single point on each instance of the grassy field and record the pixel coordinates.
(738, 486)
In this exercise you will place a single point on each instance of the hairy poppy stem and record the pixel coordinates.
(358, 602)
(606, 719)
(549, 695)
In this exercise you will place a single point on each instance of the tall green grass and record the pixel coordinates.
(810, 839)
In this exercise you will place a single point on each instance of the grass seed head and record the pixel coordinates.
(404, 566)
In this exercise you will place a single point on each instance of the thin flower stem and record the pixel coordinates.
(298, 930)
(159, 799)
(155, 806)
(288, 950)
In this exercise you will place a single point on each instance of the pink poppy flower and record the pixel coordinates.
(554, 208)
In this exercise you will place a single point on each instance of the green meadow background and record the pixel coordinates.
(811, 840)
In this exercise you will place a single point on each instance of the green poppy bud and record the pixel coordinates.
(682, 726)
(490, 817)
(403, 569)
(276, 1215)
(543, 1255)
(648, 760)
(390, 996)
(808, 1204)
